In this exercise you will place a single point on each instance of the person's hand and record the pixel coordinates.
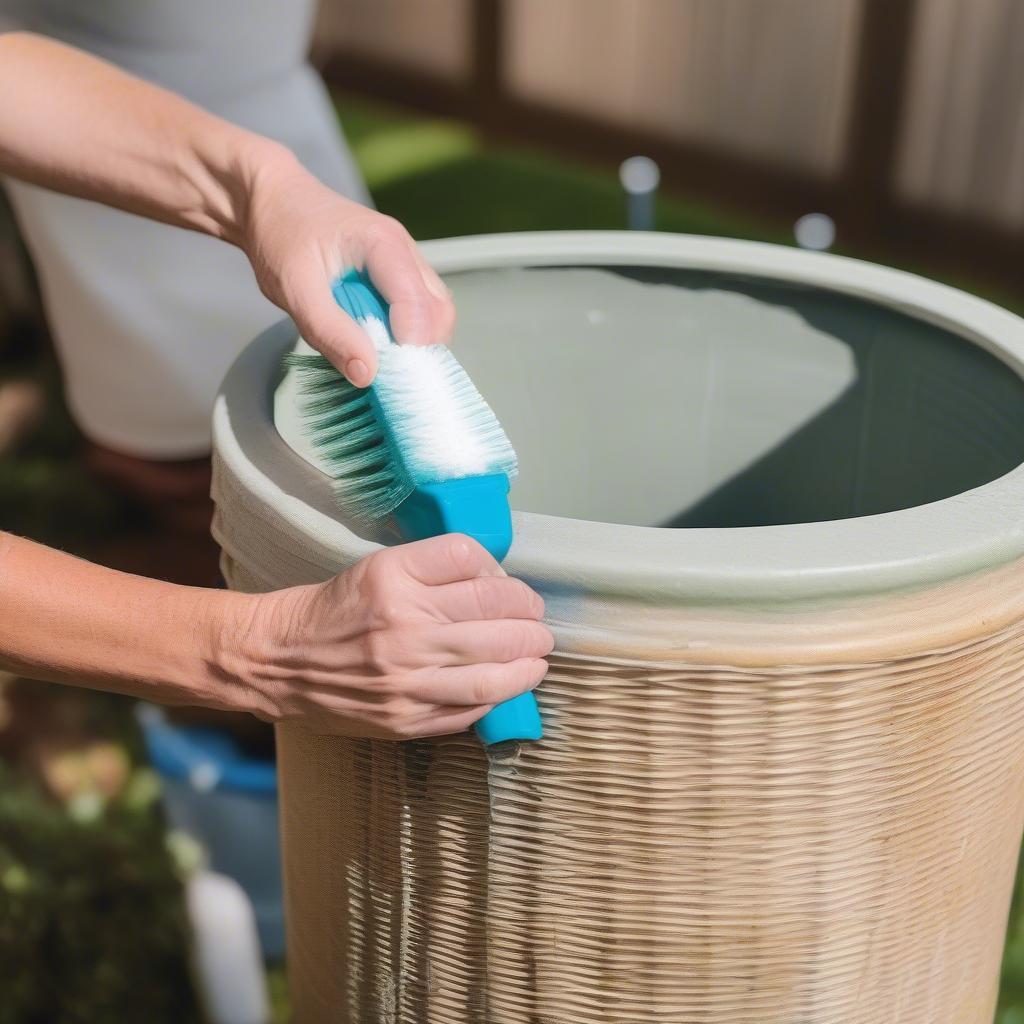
(417, 640)
(300, 237)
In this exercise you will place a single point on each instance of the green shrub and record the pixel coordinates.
(92, 922)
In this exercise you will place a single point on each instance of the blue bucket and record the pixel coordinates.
(227, 801)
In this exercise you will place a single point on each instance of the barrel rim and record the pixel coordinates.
(926, 544)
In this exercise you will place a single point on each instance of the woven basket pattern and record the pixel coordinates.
(691, 843)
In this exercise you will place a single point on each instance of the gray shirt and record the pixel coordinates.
(203, 49)
(146, 317)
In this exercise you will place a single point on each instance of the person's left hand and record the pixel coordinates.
(300, 236)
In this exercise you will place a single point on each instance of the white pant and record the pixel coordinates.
(147, 318)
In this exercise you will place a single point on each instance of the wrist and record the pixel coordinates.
(225, 651)
(231, 169)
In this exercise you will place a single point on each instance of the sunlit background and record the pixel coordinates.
(890, 130)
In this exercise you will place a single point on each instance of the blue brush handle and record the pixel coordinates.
(476, 506)
(357, 296)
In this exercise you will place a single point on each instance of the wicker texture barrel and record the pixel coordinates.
(782, 780)
(744, 833)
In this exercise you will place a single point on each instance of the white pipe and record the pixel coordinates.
(226, 950)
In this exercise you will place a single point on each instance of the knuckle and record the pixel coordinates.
(386, 228)
(387, 611)
(377, 653)
(378, 566)
(486, 600)
(483, 690)
(379, 580)
(389, 223)
(392, 613)
(531, 599)
(399, 717)
(524, 639)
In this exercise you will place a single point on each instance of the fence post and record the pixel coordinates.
(875, 119)
(486, 76)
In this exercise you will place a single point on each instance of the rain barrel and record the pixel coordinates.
(774, 501)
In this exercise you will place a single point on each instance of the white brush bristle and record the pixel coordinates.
(378, 332)
(422, 421)
(440, 423)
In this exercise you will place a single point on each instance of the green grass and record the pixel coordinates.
(440, 178)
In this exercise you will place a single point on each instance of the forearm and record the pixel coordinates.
(67, 620)
(415, 640)
(76, 124)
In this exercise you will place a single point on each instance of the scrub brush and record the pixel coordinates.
(419, 444)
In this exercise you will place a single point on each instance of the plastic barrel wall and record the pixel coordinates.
(775, 505)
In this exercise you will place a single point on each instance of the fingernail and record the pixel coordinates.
(358, 373)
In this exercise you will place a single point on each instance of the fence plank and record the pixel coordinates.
(766, 80)
(962, 149)
(934, 179)
(432, 38)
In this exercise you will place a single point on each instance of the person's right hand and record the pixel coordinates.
(300, 237)
(417, 640)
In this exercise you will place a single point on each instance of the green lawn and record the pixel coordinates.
(90, 915)
(441, 179)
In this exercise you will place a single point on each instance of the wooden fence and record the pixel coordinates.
(902, 119)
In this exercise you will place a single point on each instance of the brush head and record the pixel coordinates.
(421, 422)
(419, 442)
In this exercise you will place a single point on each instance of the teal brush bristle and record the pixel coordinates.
(347, 434)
